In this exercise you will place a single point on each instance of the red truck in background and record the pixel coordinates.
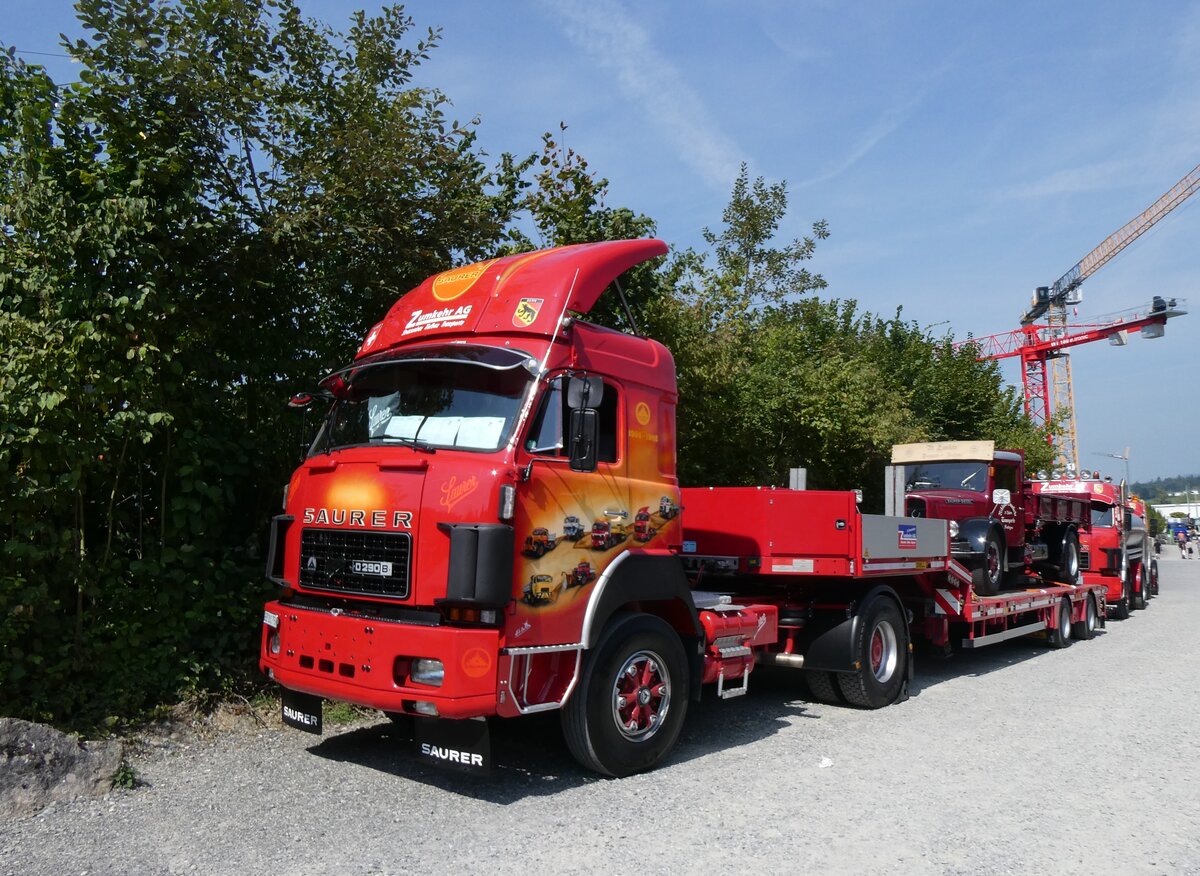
(1000, 526)
(1116, 550)
(483, 409)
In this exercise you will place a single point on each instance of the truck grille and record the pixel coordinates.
(373, 563)
(914, 507)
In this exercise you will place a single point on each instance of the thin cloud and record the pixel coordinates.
(879, 131)
(1072, 181)
(618, 43)
(883, 127)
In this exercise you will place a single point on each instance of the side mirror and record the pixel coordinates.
(1001, 497)
(584, 392)
(585, 436)
(301, 400)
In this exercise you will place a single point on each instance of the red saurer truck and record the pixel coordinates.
(1117, 551)
(484, 408)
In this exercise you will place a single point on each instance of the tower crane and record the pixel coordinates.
(1045, 366)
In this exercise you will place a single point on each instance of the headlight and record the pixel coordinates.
(954, 529)
(427, 671)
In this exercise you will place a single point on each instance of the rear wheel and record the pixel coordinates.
(823, 686)
(1154, 577)
(1060, 634)
(626, 713)
(990, 573)
(880, 648)
(1086, 628)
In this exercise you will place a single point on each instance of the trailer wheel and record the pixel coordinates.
(988, 576)
(880, 648)
(1067, 568)
(1138, 586)
(626, 714)
(823, 686)
(1086, 628)
(1059, 635)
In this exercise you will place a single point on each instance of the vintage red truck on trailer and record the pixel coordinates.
(1000, 526)
(483, 409)
(1116, 550)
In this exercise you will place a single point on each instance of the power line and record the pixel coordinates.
(43, 54)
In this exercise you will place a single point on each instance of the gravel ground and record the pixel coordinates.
(1075, 761)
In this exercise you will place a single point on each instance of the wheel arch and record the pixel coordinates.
(653, 584)
(976, 530)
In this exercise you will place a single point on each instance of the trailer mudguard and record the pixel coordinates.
(657, 584)
(833, 649)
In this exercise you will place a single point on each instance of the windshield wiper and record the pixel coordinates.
(415, 443)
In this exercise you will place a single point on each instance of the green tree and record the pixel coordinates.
(215, 212)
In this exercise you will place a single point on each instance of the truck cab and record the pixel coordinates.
(998, 528)
(416, 552)
(1114, 549)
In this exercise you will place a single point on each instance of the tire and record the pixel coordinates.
(1121, 609)
(1086, 628)
(1154, 577)
(824, 687)
(637, 675)
(1138, 587)
(1059, 635)
(881, 649)
(1066, 570)
(988, 576)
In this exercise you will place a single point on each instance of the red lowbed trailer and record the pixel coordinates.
(482, 415)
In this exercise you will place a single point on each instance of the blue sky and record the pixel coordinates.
(962, 152)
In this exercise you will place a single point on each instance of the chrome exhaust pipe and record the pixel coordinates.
(791, 661)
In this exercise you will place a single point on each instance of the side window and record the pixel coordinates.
(549, 424)
(1006, 478)
(607, 450)
(547, 434)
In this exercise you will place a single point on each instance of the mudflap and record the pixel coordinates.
(910, 672)
(302, 711)
(460, 745)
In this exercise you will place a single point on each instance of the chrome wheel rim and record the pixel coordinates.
(884, 652)
(641, 696)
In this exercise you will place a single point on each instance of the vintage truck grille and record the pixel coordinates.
(346, 561)
(914, 507)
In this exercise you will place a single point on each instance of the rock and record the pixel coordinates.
(40, 765)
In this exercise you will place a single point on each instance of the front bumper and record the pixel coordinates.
(367, 661)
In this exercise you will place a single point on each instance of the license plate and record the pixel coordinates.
(456, 745)
(302, 711)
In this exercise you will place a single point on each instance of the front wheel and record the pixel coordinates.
(626, 714)
(881, 649)
(1067, 568)
(1138, 584)
(990, 573)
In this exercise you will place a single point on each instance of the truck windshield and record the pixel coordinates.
(946, 476)
(1102, 515)
(427, 403)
